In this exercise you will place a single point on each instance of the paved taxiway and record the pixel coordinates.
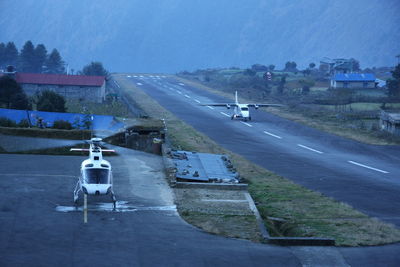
(364, 176)
(144, 231)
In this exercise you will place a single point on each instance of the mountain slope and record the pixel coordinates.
(174, 35)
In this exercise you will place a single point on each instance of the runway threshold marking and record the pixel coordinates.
(366, 166)
(247, 124)
(273, 135)
(210, 107)
(311, 149)
(197, 101)
(223, 113)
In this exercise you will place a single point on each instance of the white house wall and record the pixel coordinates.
(338, 84)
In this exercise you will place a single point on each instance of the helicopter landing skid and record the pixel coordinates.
(76, 192)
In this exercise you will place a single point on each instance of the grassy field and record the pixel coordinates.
(301, 212)
(362, 106)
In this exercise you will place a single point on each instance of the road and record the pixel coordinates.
(365, 176)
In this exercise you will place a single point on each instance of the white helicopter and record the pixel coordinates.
(241, 111)
(96, 174)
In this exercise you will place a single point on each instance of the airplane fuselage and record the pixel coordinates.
(241, 111)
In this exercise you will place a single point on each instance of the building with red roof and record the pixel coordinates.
(88, 88)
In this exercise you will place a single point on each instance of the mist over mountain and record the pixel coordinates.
(176, 35)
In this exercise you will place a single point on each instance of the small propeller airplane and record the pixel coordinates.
(241, 111)
(96, 175)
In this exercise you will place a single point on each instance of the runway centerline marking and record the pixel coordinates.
(179, 92)
(245, 123)
(223, 113)
(210, 107)
(187, 96)
(197, 101)
(311, 149)
(367, 167)
(273, 135)
(139, 83)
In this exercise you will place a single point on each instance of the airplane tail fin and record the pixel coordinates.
(236, 98)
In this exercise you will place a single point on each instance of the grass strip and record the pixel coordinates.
(288, 209)
(47, 133)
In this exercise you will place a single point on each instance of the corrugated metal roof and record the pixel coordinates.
(354, 77)
(60, 79)
(204, 167)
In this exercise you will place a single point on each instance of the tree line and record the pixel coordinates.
(36, 59)
(31, 59)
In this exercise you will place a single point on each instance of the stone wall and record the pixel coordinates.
(87, 93)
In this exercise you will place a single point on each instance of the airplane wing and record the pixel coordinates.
(264, 105)
(228, 105)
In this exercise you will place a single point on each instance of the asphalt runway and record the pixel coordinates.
(365, 176)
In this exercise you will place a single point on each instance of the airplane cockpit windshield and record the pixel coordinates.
(97, 176)
(245, 109)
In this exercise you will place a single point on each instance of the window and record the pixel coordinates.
(345, 85)
(365, 85)
(97, 176)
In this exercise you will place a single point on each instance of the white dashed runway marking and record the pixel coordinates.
(367, 167)
(223, 113)
(311, 149)
(273, 135)
(247, 124)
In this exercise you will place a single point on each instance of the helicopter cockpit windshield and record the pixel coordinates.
(97, 176)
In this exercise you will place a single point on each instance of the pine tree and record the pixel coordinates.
(54, 63)
(27, 58)
(40, 58)
(10, 54)
(12, 95)
(2, 54)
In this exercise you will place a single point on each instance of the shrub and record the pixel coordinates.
(61, 124)
(6, 122)
(23, 123)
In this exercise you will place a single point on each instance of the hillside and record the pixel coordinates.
(174, 35)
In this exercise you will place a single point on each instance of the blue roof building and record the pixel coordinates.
(354, 80)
